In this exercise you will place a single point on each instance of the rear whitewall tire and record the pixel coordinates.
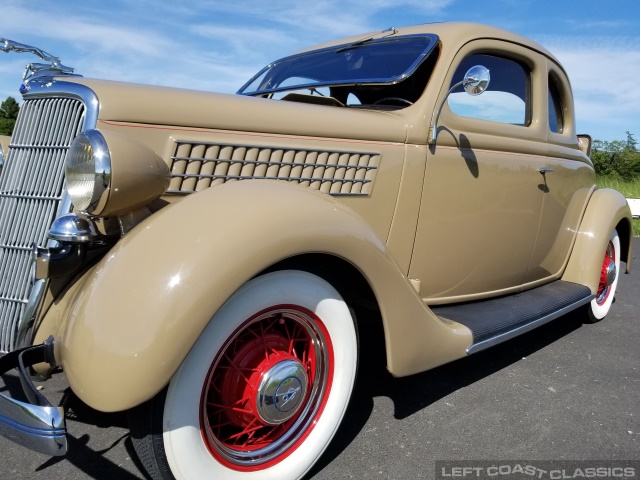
(600, 306)
(188, 455)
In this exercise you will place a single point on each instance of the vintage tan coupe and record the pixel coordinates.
(207, 261)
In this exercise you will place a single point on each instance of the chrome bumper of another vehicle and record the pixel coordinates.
(35, 424)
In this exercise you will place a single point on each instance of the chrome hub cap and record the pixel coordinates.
(610, 273)
(281, 392)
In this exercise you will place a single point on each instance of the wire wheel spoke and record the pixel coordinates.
(266, 385)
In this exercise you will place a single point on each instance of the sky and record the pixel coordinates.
(217, 45)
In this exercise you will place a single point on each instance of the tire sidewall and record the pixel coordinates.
(187, 454)
(599, 311)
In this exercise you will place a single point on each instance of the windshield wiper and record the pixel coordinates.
(389, 31)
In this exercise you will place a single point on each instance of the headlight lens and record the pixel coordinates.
(88, 171)
(110, 174)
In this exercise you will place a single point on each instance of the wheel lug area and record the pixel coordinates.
(281, 392)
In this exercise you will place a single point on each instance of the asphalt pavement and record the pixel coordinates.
(564, 391)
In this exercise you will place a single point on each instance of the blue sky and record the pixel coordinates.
(217, 45)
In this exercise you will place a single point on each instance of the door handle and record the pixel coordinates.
(544, 170)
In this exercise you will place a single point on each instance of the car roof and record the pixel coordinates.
(450, 33)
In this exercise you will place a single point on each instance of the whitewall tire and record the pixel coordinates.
(610, 271)
(264, 389)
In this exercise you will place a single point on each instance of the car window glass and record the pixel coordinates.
(353, 100)
(556, 119)
(322, 91)
(507, 98)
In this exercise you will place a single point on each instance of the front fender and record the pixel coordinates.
(137, 314)
(607, 209)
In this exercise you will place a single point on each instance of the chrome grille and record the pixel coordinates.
(31, 192)
(199, 165)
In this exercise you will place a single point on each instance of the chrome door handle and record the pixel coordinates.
(544, 170)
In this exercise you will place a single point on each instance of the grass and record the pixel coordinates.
(628, 189)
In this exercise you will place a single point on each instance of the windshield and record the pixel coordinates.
(384, 61)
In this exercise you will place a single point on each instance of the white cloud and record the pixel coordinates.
(604, 73)
(217, 46)
(491, 105)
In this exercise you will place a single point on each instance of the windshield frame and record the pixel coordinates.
(434, 40)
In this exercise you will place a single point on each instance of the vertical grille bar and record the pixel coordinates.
(31, 189)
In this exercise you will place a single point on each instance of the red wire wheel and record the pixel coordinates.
(266, 388)
(607, 274)
(604, 295)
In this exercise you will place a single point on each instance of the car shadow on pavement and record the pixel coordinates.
(414, 393)
(91, 462)
(81, 454)
(85, 458)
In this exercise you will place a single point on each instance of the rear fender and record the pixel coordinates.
(607, 209)
(137, 314)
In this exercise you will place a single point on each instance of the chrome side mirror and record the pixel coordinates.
(475, 81)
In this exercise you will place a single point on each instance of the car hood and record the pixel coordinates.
(145, 104)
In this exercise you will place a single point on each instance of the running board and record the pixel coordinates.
(498, 319)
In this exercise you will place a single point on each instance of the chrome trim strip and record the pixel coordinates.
(434, 40)
(490, 342)
(12, 247)
(24, 336)
(26, 147)
(28, 197)
(14, 300)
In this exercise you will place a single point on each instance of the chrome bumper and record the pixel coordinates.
(35, 424)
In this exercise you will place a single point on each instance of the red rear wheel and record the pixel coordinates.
(609, 272)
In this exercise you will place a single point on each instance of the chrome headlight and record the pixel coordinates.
(88, 171)
(109, 174)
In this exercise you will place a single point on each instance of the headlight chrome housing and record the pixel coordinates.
(110, 174)
(88, 171)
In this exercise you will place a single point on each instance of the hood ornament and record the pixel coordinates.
(43, 72)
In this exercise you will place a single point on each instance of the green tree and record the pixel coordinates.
(618, 158)
(8, 114)
(10, 108)
(631, 142)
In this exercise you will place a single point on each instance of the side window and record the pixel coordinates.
(556, 118)
(507, 99)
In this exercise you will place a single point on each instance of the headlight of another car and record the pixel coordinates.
(109, 174)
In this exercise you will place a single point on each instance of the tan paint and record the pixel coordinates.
(137, 178)
(124, 328)
(605, 210)
(4, 142)
(183, 263)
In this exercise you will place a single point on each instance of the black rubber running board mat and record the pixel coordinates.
(494, 317)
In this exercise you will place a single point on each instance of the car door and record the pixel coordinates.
(569, 181)
(483, 189)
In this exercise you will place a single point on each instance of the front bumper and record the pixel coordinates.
(35, 423)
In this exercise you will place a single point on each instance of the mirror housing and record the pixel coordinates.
(475, 82)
